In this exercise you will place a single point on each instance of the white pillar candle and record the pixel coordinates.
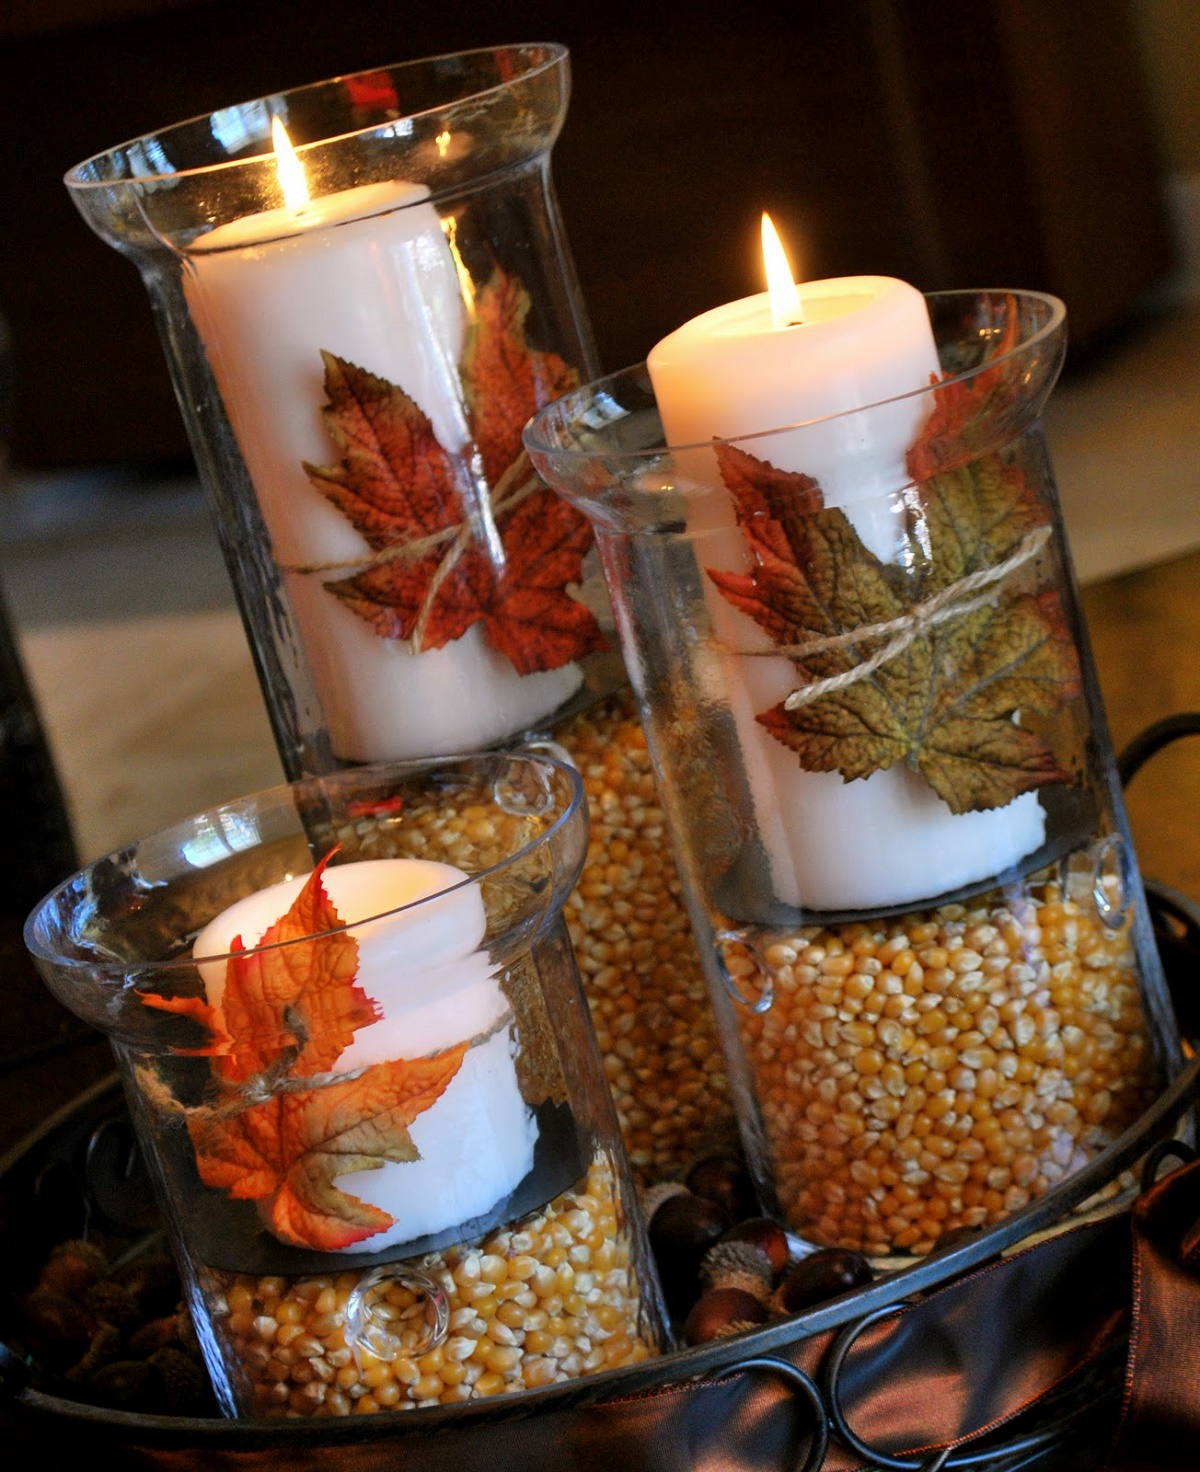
(434, 987)
(365, 274)
(832, 845)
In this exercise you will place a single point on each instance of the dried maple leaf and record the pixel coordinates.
(945, 702)
(288, 1010)
(287, 1152)
(965, 410)
(290, 1002)
(395, 483)
(505, 380)
(526, 611)
(403, 492)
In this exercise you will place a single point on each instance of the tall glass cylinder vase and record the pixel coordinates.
(364, 291)
(859, 658)
(357, 335)
(351, 1034)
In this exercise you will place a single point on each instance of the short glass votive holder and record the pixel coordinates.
(859, 658)
(352, 1036)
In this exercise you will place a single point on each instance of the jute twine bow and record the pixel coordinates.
(518, 481)
(951, 602)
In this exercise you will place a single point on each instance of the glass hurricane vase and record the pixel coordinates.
(858, 654)
(359, 314)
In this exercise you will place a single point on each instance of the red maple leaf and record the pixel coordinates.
(403, 492)
(506, 381)
(395, 483)
(964, 411)
(527, 613)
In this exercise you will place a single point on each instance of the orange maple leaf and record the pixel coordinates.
(291, 1000)
(287, 1152)
(290, 1007)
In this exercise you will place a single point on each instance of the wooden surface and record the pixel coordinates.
(1145, 630)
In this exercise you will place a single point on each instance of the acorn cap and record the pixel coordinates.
(185, 1383)
(749, 1283)
(727, 1259)
(654, 1196)
(766, 1234)
(727, 1331)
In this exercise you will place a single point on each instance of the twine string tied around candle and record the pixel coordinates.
(969, 593)
(518, 481)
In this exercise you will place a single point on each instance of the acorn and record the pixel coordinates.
(106, 1342)
(825, 1274)
(654, 1196)
(721, 1312)
(58, 1329)
(185, 1385)
(185, 1328)
(127, 1385)
(111, 1303)
(723, 1179)
(153, 1280)
(157, 1334)
(681, 1231)
(72, 1268)
(768, 1236)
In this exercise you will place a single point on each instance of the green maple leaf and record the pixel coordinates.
(945, 703)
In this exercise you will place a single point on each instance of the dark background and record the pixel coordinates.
(977, 143)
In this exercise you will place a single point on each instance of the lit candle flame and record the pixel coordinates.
(290, 169)
(443, 142)
(781, 283)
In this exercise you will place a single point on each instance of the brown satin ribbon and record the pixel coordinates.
(1160, 1423)
(973, 1355)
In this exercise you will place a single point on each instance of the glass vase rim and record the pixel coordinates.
(280, 796)
(1053, 325)
(552, 54)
